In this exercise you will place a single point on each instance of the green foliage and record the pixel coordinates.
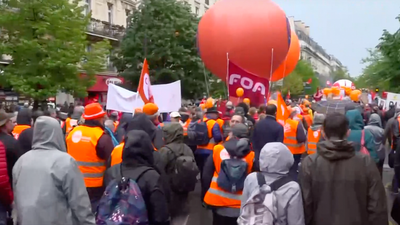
(46, 40)
(383, 64)
(302, 73)
(163, 31)
(341, 74)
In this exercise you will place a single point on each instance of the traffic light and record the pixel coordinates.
(376, 90)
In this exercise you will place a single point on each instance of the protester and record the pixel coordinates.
(338, 185)
(246, 112)
(266, 131)
(26, 136)
(138, 164)
(314, 133)
(170, 153)
(73, 118)
(24, 121)
(225, 203)
(151, 110)
(91, 147)
(6, 194)
(275, 162)
(48, 186)
(375, 127)
(123, 123)
(356, 125)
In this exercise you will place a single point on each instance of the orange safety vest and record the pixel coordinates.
(313, 138)
(18, 129)
(210, 146)
(70, 123)
(186, 126)
(116, 123)
(216, 196)
(116, 154)
(308, 120)
(290, 140)
(221, 123)
(81, 145)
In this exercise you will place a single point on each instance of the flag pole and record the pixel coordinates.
(227, 74)
(206, 82)
(270, 75)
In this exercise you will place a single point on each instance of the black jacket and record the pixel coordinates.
(137, 156)
(25, 140)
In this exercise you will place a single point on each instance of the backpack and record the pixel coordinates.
(184, 177)
(198, 133)
(363, 149)
(261, 207)
(232, 175)
(122, 202)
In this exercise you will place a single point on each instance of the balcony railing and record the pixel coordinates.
(304, 37)
(103, 28)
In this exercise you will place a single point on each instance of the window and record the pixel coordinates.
(197, 10)
(205, 9)
(88, 7)
(110, 12)
(128, 13)
(207, 2)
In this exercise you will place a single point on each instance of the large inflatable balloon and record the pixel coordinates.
(344, 83)
(254, 34)
(292, 57)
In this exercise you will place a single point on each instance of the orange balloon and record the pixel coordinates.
(209, 103)
(202, 106)
(272, 102)
(239, 92)
(247, 38)
(327, 91)
(347, 90)
(247, 101)
(335, 91)
(292, 57)
(355, 95)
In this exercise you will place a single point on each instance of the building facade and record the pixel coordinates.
(323, 63)
(199, 7)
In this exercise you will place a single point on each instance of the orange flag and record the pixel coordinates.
(144, 88)
(282, 113)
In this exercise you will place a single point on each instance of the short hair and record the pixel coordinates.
(252, 111)
(36, 114)
(336, 126)
(241, 116)
(271, 110)
(244, 106)
(262, 109)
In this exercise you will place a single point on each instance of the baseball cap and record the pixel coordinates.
(175, 115)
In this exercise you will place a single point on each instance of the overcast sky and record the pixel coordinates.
(345, 28)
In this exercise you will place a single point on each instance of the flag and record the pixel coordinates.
(282, 113)
(255, 88)
(288, 95)
(144, 88)
(309, 81)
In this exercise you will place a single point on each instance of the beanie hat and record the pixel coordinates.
(150, 109)
(93, 111)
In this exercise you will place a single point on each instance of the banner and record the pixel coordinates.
(392, 99)
(255, 88)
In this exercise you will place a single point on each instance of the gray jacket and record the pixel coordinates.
(275, 162)
(375, 127)
(48, 186)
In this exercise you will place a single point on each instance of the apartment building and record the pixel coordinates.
(199, 7)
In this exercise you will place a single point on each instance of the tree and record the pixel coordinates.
(47, 42)
(341, 73)
(163, 32)
(301, 74)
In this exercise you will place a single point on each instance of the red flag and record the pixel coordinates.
(144, 88)
(309, 81)
(255, 88)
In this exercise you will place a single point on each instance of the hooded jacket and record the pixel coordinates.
(48, 186)
(24, 117)
(123, 123)
(174, 147)
(142, 122)
(375, 127)
(341, 187)
(318, 121)
(356, 125)
(275, 162)
(138, 155)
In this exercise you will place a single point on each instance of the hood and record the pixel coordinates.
(125, 118)
(77, 113)
(238, 147)
(317, 121)
(276, 158)
(47, 135)
(375, 120)
(335, 149)
(24, 117)
(138, 149)
(172, 132)
(355, 118)
(142, 122)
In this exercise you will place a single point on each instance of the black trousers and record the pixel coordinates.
(223, 220)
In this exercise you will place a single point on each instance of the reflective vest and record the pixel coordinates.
(186, 126)
(81, 145)
(70, 123)
(116, 154)
(18, 129)
(211, 143)
(308, 120)
(116, 123)
(313, 138)
(290, 140)
(221, 123)
(216, 196)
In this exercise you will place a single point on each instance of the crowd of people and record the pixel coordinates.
(74, 167)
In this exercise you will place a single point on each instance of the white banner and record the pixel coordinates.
(392, 99)
(166, 96)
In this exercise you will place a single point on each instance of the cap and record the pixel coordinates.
(93, 111)
(175, 115)
(4, 117)
(212, 110)
(150, 109)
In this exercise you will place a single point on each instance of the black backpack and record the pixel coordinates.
(198, 133)
(183, 179)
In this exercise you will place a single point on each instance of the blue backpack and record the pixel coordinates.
(198, 132)
(122, 202)
(232, 175)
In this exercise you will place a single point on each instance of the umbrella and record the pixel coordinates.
(331, 106)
